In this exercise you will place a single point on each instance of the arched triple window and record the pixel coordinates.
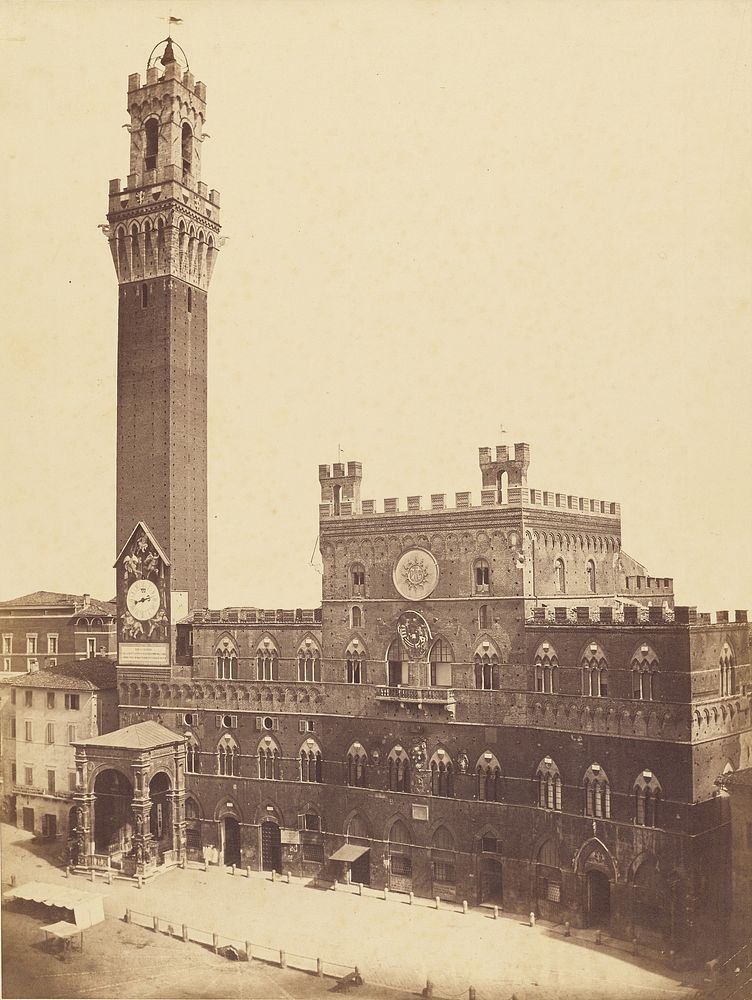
(441, 660)
(594, 672)
(726, 671)
(645, 669)
(398, 769)
(186, 136)
(309, 662)
(560, 577)
(596, 792)
(355, 667)
(442, 774)
(228, 756)
(311, 762)
(192, 755)
(267, 661)
(227, 661)
(548, 785)
(357, 580)
(269, 760)
(647, 794)
(481, 577)
(151, 132)
(357, 760)
(591, 581)
(546, 669)
(488, 778)
(486, 667)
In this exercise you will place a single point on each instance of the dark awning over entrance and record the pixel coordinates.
(348, 852)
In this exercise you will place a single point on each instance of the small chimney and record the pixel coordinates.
(87, 600)
(33, 666)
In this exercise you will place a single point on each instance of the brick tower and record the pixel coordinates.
(163, 233)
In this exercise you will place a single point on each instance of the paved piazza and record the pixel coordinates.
(393, 944)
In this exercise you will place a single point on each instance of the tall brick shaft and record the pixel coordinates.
(163, 233)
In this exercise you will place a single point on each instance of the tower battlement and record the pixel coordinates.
(514, 467)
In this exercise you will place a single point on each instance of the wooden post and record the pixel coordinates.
(185, 932)
(282, 959)
(127, 916)
(496, 912)
(410, 898)
(215, 943)
(248, 950)
(464, 906)
(438, 902)
(319, 967)
(155, 923)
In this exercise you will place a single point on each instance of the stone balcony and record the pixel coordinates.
(445, 697)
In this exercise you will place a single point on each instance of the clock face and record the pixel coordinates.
(143, 600)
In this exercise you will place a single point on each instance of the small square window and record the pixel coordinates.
(72, 701)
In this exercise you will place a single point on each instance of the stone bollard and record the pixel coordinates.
(185, 932)
(248, 951)
(464, 906)
(109, 876)
(386, 893)
(282, 960)
(438, 902)
(598, 938)
(12, 881)
(93, 875)
(496, 912)
(410, 898)
(319, 968)
(206, 865)
(127, 916)
(67, 871)
(155, 923)
(232, 870)
(215, 943)
(672, 958)
(634, 946)
(140, 881)
(428, 989)
(181, 863)
(567, 929)
(360, 888)
(247, 871)
(274, 875)
(531, 919)
(289, 876)
(471, 993)
(336, 884)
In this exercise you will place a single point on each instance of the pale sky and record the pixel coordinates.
(441, 218)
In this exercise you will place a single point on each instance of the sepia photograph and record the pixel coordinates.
(375, 465)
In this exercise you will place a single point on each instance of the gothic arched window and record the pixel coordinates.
(597, 792)
(486, 667)
(549, 785)
(488, 778)
(267, 661)
(355, 663)
(357, 580)
(269, 759)
(228, 756)
(309, 662)
(311, 762)
(594, 672)
(481, 577)
(356, 617)
(442, 774)
(357, 760)
(151, 132)
(483, 617)
(398, 768)
(192, 756)
(726, 670)
(227, 661)
(187, 147)
(647, 794)
(645, 667)
(546, 669)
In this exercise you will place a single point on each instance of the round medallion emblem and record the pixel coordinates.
(416, 574)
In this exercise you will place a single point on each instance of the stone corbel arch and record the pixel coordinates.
(594, 854)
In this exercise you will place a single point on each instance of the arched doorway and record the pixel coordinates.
(650, 900)
(598, 899)
(113, 818)
(231, 841)
(400, 858)
(357, 833)
(491, 885)
(396, 664)
(271, 846)
(160, 818)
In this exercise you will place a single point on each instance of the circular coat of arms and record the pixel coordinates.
(416, 574)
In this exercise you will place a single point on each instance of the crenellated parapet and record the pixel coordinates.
(164, 221)
(630, 615)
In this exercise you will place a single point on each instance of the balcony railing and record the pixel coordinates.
(412, 695)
